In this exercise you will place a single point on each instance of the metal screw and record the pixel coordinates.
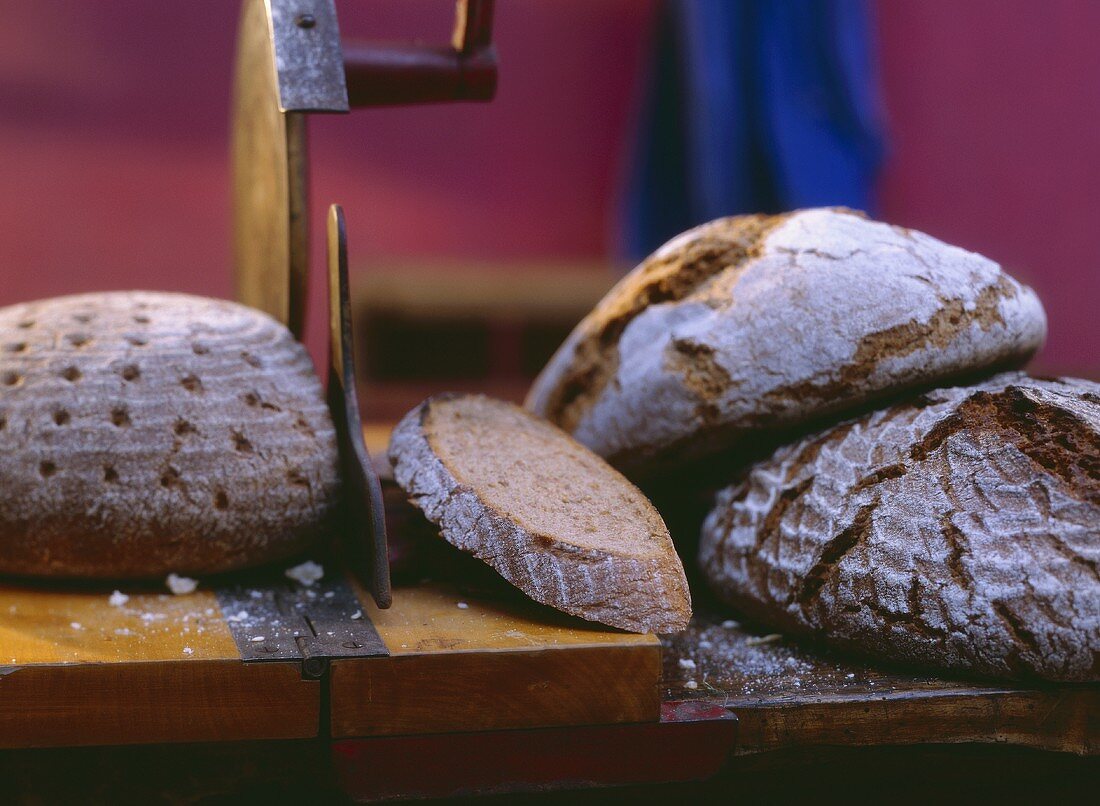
(352, 645)
(305, 20)
(313, 667)
(268, 648)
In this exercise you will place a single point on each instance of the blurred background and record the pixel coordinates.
(480, 233)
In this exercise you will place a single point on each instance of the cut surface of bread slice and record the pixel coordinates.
(547, 514)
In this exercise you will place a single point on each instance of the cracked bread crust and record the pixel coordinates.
(548, 515)
(758, 322)
(959, 530)
(147, 433)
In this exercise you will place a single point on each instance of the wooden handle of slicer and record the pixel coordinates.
(393, 75)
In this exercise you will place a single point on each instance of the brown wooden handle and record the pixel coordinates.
(395, 75)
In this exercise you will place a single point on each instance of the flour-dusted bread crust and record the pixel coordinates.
(960, 530)
(757, 322)
(145, 433)
(547, 514)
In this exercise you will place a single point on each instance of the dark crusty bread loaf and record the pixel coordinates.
(760, 322)
(143, 433)
(550, 516)
(961, 530)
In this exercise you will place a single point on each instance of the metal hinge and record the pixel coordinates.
(285, 621)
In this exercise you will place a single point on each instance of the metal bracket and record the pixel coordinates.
(290, 63)
(309, 62)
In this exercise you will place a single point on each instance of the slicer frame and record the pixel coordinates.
(290, 63)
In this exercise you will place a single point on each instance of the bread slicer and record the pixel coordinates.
(291, 63)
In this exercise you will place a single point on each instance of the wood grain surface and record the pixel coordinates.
(51, 625)
(465, 661)
(160, 701)
(76, 670)
(788, 694)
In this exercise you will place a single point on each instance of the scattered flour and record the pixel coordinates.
(306, 574)
(181, 586)
(117, 599)
(758, 640)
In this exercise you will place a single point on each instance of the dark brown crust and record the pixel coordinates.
(643, 591)
(968, 546)
(938, 332)
(727, 244)
(155, 433)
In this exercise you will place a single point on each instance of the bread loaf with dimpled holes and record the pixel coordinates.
(146, 433)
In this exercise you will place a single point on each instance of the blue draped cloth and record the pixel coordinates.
(753, 106)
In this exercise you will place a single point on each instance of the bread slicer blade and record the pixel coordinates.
(363, 526)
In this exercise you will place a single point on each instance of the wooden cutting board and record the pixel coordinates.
(160, 668)
(467, 653)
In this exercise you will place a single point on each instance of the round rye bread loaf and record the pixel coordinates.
(547, 514)
(146, 433)
(959, 530)
(771, 322)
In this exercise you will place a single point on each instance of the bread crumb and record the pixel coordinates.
(687, 663)
(76, 625)
(236, 617)
(757, 640)
(306, 574)
(691, 684)
(851, 675)
(730, 624)
(181, 586)
(117, 599)
(358, 614)
(258, 638)
(188, 651)
(462, 606)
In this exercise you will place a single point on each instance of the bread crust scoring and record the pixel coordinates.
(960, 530)
(757, 322)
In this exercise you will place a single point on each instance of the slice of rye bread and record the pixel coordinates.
(755, 324)
(546, 513)
(960, 530)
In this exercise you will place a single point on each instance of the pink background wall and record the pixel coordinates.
(113, 144)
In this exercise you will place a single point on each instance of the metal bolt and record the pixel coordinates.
(268, 648)
(314, 667)
(352, 645)
(305, 21)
